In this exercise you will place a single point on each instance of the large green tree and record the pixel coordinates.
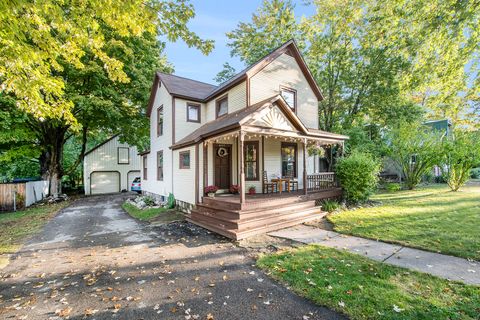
(272, 25)
(77, 67)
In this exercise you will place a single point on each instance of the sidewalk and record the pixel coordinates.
(439, 265)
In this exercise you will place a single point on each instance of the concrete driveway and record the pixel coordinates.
(94, 261)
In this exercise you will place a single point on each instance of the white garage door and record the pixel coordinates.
(104, 182)
(131, 176)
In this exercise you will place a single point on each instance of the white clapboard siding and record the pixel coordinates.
(111, 156)
(237, 99)
(157, 143)
(182, 126)
(184, 179)
(284, 71)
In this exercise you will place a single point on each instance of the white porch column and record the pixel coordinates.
(241, 169)
(305, 167)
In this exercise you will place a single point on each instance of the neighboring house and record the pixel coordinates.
(110, 167)
(261, 120)
(442, 127)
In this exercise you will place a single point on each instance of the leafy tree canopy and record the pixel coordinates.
(39, 38)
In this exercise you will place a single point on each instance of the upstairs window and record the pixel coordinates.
(160, 121)
(222, 106)
(290, 97)
(185, 160)
(123, 155)
(144, 167)
(193, 112)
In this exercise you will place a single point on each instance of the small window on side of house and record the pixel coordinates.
(123, 155)
(160, 121)
(144, 167)
(290, 97)
(193, 112)
(222, 106)
(184, 160)
(160, 165)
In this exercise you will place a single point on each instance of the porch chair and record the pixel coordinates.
(293, 182)
(267, 186)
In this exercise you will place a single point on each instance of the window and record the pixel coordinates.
(144, 167)
(222, 106)
(289, 159)
(185, 160)
(160, 121)
(290, 96)
(193, 112)
(123, 155)
(160, 165)
(251, 160)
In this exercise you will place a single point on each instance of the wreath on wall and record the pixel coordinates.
(222, 152)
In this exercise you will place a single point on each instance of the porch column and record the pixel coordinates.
(205, 167)
(241, 169)
(305, 184)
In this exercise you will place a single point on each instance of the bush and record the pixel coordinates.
(393, 187)
(330, 205)
(171, 201)
(149, 201)
(358, 175)
(475, 173)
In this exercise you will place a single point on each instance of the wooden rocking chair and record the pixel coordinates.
(268, 186)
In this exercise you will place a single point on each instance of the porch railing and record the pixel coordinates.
(321, 181)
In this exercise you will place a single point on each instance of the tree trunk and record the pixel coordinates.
(51, 166)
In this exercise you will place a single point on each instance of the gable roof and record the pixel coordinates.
(184, 87)
(244, 116)
(203, 92)
(101, 144)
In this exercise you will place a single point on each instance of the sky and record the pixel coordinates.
(214, 18)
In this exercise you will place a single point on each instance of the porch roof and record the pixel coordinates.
(242, 119)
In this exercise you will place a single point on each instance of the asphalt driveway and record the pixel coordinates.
(94, 261)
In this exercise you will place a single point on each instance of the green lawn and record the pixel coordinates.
(365, 289)
(432, 218)
(152, 214)
(16, 227)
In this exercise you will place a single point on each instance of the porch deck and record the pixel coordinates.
(260, 213)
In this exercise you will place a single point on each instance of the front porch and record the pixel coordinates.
(264, 149)
(229, 216)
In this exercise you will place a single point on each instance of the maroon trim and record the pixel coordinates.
(217, 106)
(158, 167)
(181, 155)
(144, 165)
(160, 127)
(199, 109)
(292, 90)
(289, 144)
(256, 145)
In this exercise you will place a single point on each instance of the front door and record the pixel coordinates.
(223, 165)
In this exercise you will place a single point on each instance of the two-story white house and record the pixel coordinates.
(251, 132)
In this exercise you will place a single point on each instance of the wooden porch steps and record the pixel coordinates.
(239, 224)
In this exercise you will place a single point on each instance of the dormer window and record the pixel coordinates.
(290, 97)
(222, 106)
(193, 112)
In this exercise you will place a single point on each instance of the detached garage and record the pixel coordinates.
(110, 167)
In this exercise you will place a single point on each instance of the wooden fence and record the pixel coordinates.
(20, 195)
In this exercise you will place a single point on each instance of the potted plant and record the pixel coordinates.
(252, 190)
(234, 188)
(211, 190)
